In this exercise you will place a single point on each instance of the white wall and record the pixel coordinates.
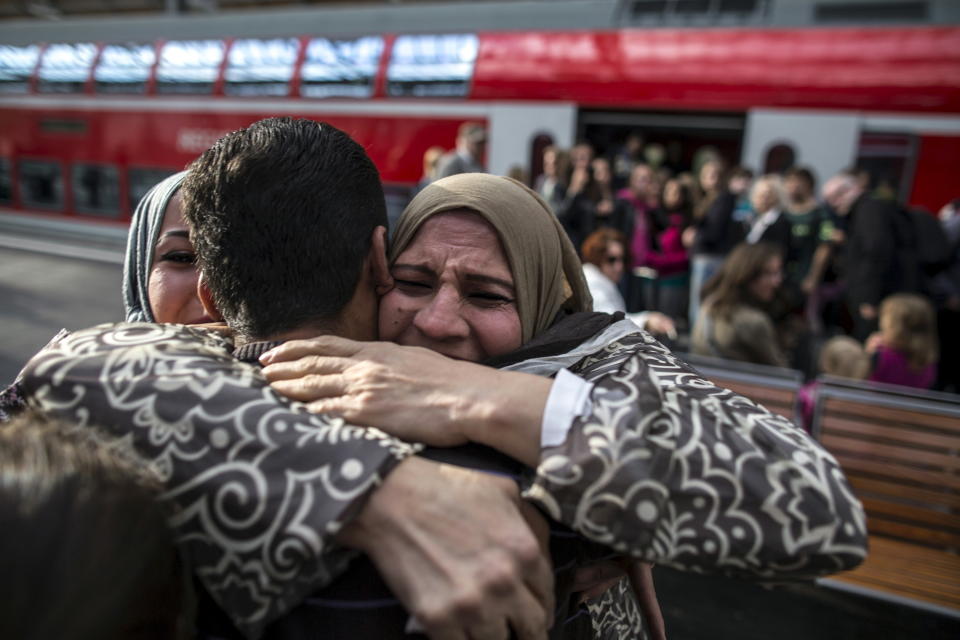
(514, 126)
(823, 140)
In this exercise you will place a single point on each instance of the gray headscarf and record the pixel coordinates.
(141, 241)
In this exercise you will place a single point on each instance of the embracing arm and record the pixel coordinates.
(417, 394)
(662, 465)
(269, 496)
(675, 470)
(260, 485)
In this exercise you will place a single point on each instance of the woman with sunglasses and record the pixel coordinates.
(605, 256)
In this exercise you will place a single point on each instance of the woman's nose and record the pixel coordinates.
(442, 318)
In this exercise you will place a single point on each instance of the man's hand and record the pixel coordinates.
(867, 311)
(413, 393)
(453, 546)
(661, 324)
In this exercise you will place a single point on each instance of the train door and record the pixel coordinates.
(674, 140)
(516, 128)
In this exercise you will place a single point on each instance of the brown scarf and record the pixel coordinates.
(547, 276)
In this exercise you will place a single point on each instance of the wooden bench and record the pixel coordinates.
(900, 450)
(775, 388)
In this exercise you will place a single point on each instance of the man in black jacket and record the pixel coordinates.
(880, 256)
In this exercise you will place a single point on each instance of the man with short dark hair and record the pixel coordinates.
(288, 219)
(880, 254)
(282, 232)
(468, 156)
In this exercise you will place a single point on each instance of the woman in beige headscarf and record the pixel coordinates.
(626, 444)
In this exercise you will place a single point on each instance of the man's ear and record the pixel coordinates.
(377, 259)
(206, 299)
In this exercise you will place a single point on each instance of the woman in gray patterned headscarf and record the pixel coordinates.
(159, 277)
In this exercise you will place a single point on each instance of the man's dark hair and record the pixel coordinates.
(802, 173)
(281, 215)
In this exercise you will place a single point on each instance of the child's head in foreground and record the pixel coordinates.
(85, 550)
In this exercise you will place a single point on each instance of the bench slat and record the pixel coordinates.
(908, 532)
(893, 453)
(886, 470)
(901, 433)
(877, 487)
(887, 414)
(932, 518)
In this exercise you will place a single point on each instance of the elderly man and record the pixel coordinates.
(468, 156)
(881, 253)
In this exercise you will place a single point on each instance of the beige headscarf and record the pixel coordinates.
(547, 275)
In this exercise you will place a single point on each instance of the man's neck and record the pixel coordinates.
(313, 330)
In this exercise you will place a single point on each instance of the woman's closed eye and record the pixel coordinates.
(489, 298)
(413, 286)
(179, 256)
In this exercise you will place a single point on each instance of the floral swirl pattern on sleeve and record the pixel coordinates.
(260, 485)
(675, 470)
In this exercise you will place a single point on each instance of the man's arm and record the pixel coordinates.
(661, 464)
(672, 469)
(264, 489)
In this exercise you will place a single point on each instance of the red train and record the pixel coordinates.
(86, 128)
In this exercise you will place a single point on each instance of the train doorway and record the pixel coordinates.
(676, 141)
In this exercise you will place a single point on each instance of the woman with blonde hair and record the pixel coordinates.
(905, 350)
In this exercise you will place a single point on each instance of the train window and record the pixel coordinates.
(16, 67)
(64, 68)
(142, 180)
(261, 67)
(189, 66)
(340, 68)
(6, 182)
(41, 184)
(96, 189)
(124, 68)
(432, 65)
(888, 158)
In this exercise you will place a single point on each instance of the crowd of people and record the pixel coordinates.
(764, 268)
(522, 460)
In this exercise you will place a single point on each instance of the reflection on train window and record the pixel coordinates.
(124, 68)
(889, 160)
(340, 68)
(432, 65)
(41, 184)
(16, 67)
(96, 189)
(64, 68)
(260, 67)
(141, 181)
(6, 182)
(189, 66)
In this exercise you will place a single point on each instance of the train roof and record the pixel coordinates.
(80, 20)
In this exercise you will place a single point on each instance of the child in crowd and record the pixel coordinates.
(905, 350)
(86, 551)
(841, 356)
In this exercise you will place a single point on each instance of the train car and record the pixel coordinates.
(87, 127)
